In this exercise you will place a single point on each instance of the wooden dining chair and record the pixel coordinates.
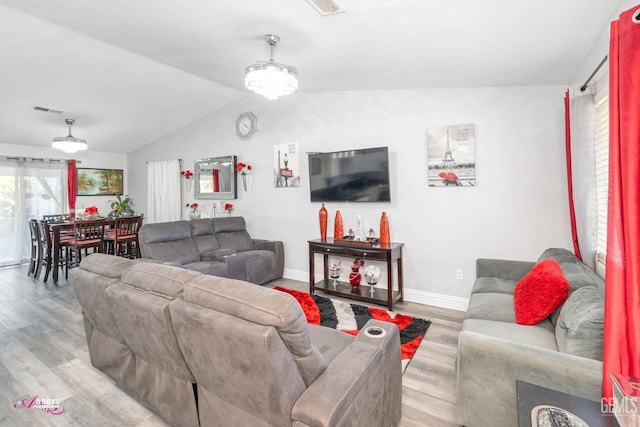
(122, 239)
(87, 234)
(45, 255)
(35, 247)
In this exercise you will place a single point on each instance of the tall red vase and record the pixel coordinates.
(338, 232)
(384, 229)
(323, 222)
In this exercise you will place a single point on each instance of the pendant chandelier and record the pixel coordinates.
(69, 143)
(271, 79)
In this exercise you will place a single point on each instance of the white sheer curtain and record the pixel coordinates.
(164, 198)
(582, 111)
(28, 189)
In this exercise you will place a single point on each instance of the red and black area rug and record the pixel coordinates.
(350, 318)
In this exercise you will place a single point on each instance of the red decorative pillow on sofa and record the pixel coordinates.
(540, 292)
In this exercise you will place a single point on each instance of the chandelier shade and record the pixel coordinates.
(271, 79)
(69, 143)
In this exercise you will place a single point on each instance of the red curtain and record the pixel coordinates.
(216, 181)
(572, 209)
(622, 281)
(72, 186)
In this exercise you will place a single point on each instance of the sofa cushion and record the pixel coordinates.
(540, 292)
(203, 236)
(494, 285)
(541, 335)
(214, 268)
(580, 326)
(232, 233)
(491, 306)
(261, 306)
(168, 241)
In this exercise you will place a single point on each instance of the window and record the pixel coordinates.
(28, 189)
(602, 175)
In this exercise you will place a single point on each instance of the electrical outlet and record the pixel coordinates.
(459, 274)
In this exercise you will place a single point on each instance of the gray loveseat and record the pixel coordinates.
(216, 246)
(212, 351)
(563, 352)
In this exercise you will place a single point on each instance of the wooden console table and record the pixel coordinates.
(387, 252)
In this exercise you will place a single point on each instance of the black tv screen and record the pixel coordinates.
(350, 176)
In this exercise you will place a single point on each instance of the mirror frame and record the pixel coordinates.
(233, 194)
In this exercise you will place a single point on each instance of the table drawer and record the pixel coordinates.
(330, 250)
(366, 253)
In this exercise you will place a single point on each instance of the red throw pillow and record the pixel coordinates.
(540, 292)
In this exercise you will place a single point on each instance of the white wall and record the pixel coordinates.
(518, 208)
(89, 159)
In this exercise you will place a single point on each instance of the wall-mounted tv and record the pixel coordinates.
(350, 176)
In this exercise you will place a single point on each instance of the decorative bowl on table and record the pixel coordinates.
(334, 272)
(371, 276)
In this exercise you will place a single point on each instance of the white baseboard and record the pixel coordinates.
(410, 295)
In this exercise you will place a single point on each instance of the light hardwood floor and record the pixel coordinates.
(43, 352)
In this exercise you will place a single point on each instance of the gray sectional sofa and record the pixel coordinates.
(212, 351)
(215, 246)
(563, 352)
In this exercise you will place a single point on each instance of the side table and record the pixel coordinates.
(389, 253)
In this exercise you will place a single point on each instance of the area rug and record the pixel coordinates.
(350, 318)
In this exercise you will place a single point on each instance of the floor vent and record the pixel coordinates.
(327, 7)
(47, 109)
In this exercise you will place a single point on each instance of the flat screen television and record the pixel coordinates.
(350, 176)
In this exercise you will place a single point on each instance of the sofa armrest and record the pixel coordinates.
(505, 269)
(348, 389)
(488, 368)
(275, 246)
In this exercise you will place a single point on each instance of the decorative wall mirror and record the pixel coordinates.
(216, 178)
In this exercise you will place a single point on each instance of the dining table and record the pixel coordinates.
(56, 228)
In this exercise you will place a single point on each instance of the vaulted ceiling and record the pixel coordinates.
(130, 72)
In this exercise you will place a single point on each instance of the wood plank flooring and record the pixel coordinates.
(43, 351)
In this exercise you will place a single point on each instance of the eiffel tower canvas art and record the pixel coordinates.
(451, 160)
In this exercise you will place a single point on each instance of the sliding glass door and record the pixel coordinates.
(28, 189)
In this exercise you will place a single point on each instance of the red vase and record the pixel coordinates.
(384, 229)
(337, 227)
(355, 276)
(323, 222)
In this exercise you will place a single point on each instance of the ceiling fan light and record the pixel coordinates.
(69, 143)
(271, 79)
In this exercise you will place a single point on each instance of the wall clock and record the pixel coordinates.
(246, 125)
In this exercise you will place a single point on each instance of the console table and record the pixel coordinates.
(387, 252)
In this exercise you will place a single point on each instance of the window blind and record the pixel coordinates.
(602, 175)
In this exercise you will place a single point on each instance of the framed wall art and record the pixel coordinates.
(100, 182)
(286, 171)
(451, 157)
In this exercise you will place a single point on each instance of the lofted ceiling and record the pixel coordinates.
(130, 72)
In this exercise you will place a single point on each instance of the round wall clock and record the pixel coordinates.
(246, 125)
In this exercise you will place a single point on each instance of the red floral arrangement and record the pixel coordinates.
(91, 210)
(228, 207)
(193, 206)
(186, 173)
(240, 167)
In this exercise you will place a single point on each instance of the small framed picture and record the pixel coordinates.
(100, 182)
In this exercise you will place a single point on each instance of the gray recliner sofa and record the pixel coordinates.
(215, 246)
(563, 352)
(206, 350)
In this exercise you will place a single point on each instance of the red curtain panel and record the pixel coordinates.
(622, 281)
(216, 181)
(72, 186)
(572, 209)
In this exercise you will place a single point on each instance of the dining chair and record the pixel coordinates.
(35, 247)
(87, 234)
(45, 257)
(122, 239)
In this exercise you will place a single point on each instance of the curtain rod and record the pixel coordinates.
(584, 86)
(36, 159)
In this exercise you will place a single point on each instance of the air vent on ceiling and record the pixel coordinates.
(327, 7)
(47, 109)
